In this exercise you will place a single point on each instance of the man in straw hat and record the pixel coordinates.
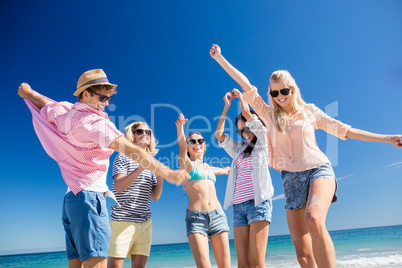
(81, 138)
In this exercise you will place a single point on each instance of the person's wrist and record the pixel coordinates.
(219, 57)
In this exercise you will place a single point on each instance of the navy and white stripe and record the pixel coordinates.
(135, 200)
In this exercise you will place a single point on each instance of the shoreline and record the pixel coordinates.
(272, 237)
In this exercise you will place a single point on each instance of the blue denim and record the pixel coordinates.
(296, 185)
(246, 213)
(206, 223)
(86, 222)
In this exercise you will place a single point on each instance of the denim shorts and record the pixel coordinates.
(206, 223)
(296, 185)
(86, 223)
(246, 213)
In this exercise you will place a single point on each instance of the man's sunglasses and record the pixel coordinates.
(275, 93)
(194, 141)
(142, 131)
(102, 98)
(244, 130)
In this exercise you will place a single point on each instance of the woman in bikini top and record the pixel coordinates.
(204, 208)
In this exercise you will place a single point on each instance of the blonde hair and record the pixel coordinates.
(278, 114)
(130, 129)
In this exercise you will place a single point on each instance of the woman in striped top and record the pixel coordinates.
(249, 187)
(133, 186)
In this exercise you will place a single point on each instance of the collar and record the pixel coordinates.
(80, 106)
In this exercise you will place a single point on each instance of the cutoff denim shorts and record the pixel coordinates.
(296, 185)
(208, 223)
(246, 212)
(86, 223)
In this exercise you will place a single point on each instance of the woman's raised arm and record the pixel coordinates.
(240, 78)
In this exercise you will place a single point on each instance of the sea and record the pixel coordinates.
(364, 247)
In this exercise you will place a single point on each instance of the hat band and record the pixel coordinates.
(96, 81)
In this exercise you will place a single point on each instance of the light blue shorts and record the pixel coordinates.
(296, 185)
(206, 223)
(86, 222)
(246, 213)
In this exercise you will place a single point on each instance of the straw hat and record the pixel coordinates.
(91, 78)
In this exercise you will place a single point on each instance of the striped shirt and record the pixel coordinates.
(77, 137)
(244, 184)
(135, 201)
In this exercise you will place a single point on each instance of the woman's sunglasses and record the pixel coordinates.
(244, 130)
(142, 131)
(194, 141)
(275, 93)
(102, 98)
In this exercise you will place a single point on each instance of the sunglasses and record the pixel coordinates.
(194, 141)
(102, 98)
(244, 130)
(275, 93)
(142, 131)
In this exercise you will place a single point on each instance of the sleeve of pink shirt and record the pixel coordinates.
(53, 109)
(257, 103)
(328, 124)
(103, 132)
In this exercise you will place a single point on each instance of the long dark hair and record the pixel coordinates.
(251, 145)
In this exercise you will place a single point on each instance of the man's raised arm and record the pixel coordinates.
(146, 161)
(25, 91)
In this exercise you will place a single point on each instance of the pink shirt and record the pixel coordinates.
(244, 189)
(297, 149)
(77, 137)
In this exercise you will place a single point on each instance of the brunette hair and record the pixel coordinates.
(251, 145)
(97, 88)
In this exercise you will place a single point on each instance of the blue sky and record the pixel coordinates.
(346, 57)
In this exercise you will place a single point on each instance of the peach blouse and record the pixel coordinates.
(296, 149)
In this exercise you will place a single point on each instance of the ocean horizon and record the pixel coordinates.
(362, 247)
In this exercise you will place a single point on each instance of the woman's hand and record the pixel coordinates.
(228, 99)
(215, 51)
(237, 94)
(181, 120)
(227, 170)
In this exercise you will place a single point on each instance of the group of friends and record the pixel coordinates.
(81, 138)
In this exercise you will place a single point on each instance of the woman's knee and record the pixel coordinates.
(315, 223)
(305, 259)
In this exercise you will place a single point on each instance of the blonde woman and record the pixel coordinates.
(133, 186)
(204, 215)
(307, 175)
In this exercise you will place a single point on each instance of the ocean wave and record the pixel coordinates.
(378, 261)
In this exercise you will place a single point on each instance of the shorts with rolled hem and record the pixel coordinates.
(208, 223)
(296, 185)
(130, 238)
(86, 223)
(246, 212)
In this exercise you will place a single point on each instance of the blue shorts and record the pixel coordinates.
(86, 222)
(296, 185)
(246, 213)
(206, 223)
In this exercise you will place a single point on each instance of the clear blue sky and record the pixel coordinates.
(346, 57)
